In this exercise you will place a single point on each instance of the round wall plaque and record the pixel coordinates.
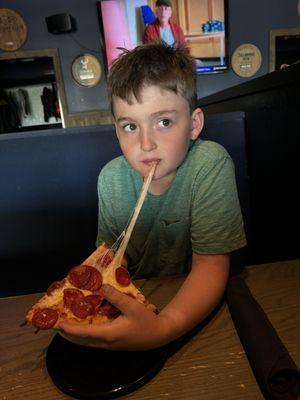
(86, 70)
(246, 60)
(13, 30)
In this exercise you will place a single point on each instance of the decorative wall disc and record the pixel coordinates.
(246, 60)
(86, 70)
(13, 30)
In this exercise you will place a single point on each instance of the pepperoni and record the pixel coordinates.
(80, 275)
(45, 318)
(122, 276)
(95, 300)
(70, 295)
(95, 281)
(85, 277)
(55, 285)
(82, 308)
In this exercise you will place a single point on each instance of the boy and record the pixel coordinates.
(191, 219)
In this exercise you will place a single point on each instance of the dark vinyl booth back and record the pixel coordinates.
(228, 129)
(48, 202)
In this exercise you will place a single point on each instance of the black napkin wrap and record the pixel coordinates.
(275, 371)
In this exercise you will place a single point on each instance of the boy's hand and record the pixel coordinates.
(136, 329)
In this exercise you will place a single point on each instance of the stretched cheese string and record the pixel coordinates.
(126, 234)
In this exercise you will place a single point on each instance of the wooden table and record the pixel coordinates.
(211, 365)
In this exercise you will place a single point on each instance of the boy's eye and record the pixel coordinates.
(129, 127)
(165, 122)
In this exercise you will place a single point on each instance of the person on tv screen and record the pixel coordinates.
(164, 27)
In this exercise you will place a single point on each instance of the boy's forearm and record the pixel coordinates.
(197, 297)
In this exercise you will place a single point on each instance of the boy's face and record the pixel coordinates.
(158, 129)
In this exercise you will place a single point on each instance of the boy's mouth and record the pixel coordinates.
(151, 161)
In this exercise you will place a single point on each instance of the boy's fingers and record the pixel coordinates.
(85, 335)
(117, 298)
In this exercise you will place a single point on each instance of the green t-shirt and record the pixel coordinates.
(199, 212)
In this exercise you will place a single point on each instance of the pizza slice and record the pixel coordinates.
(78, 297)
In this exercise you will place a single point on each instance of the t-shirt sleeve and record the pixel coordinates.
(217, 223)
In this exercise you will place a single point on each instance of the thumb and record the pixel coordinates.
(117, 298)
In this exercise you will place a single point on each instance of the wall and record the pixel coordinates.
(249, 22)
(85, 39)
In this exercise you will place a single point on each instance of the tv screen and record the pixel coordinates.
(203, 23)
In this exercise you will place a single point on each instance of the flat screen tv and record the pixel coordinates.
(204, 24)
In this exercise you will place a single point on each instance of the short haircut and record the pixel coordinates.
(154, 64)
(163, 3)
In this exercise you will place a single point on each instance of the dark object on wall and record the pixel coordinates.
(60, 23)
(50, 103)
(9, 116)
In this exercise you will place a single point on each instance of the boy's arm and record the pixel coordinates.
(139, 328)
(199, 294)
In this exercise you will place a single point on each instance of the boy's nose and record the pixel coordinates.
(147, 142)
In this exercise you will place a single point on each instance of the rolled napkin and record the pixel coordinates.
(274, 369)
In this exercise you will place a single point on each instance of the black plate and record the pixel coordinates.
(90, 373)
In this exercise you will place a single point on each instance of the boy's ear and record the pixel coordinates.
(197, 121)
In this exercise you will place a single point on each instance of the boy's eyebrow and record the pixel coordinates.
(121, 119)
(163, 112)
(155, 114)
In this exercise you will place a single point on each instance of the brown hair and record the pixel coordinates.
(171, 68)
